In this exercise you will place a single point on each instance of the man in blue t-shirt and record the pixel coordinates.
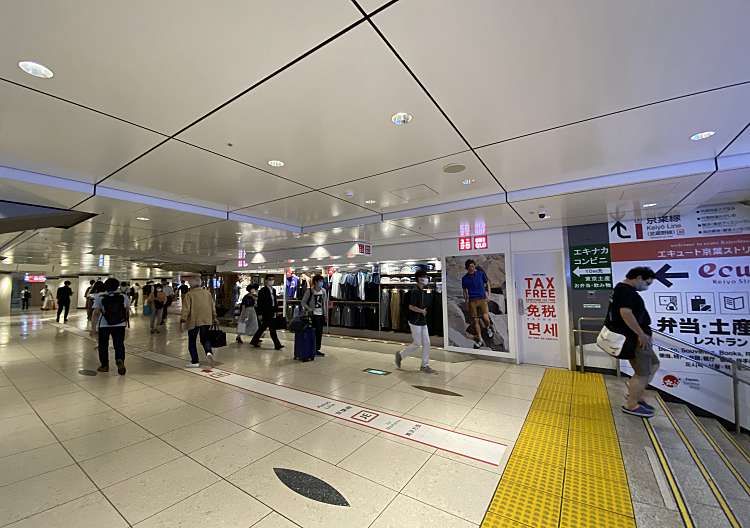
(476, 288)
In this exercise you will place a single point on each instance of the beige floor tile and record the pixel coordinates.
(200, 434)
(23, 433)
(357, 391)
(504, 404)
(255, 412)
(64, 414)
(48, 392)
(332, 441)
(235, 452)
(437, 482)
(133, 397)
(491, 423)
(181, 416)
(14, 407)
(520, 379)
(42, 492)
(63, 400)
(129, 461)
(220, 505)
(399, 402)
(151, 492)
(439, 411)
(143, 410)
(112, 439)
(386, 462)
(289, 426)
(224, 402)
(366, 499)
(525, 392)
(274, 520)
(88, 424)
(31, 463)
(405, 511)
(90, 511)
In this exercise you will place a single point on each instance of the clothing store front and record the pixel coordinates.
(367, 293)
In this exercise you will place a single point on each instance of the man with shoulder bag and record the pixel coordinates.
(627, 335)
(111, 313)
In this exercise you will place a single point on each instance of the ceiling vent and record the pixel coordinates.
(417, 192)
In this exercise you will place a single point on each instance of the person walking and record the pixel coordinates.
(247, 323)
(476, 288)
(96, 290)
(266, 308)
(133, 293)
(25, 298)
(627, 315)
(315, 305)
(89, 302)
(64, 293)
(198, 314)
(417, 302)
(46, 295)
(111, 311)
(169, 293)
(183, 289)
(157, 299)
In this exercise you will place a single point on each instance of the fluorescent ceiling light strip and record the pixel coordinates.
(614, 180)
(735, 161)
(449, 207)
(254, 220)
(354, 222)
(9, 173)
(117, 194)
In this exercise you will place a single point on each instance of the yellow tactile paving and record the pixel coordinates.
(568, 446)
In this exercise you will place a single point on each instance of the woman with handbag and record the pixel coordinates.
(198, 314)
(247, 324)
(315, 306)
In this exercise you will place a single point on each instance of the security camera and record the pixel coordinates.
(542, 214)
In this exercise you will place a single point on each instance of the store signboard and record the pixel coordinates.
(590, 267)
(465, 243)
(480, 242)
(364, 249)
(701, 295)
(540, 300)
(34, 278)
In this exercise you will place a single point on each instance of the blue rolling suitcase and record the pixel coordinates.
(304, 344)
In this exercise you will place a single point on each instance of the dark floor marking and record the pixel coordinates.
(436, 390)
(86, 372)
(310, 487)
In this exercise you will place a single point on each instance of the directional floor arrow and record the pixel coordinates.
(663, 277)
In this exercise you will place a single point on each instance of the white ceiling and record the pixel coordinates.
(523, 94)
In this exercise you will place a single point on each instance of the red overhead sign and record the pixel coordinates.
(34, 278)
(465, 243)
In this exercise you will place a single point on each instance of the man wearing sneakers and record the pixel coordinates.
(198, 314)
(476, 288)
(111, 312)
(628, 316)
(418, 302)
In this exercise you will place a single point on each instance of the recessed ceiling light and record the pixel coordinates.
(238, 233)
(36, 69)
(276, 163)
(403, 234)
(702, 135)
(649, 205)
(468, 181)
(453, 168)
(143, 219)
(401, 118)
(337, 230)
(369, 202)
(349, 193)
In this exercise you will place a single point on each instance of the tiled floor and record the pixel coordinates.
(161, 447)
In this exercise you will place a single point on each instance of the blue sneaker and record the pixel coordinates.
(647, 406)
(638, 411)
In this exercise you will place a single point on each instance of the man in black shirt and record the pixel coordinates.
(417, 304)
(628, 316)
(64, 293)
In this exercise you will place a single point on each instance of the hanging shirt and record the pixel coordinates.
(292, 283)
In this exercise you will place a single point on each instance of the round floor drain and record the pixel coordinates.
(86, 372)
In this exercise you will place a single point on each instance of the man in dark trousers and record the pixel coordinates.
(64, 293)
(111, 312)
(25, 298)
(266, 309)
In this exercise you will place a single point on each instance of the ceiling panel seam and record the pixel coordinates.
(613, 113)
(716, 167)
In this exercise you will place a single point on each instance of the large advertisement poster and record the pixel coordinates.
(469, 326)
(701, 295)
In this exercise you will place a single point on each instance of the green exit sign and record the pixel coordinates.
(590, 267)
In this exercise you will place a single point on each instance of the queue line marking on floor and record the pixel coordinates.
(566, 468)
(461, 444)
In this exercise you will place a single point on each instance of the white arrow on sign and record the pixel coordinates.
(592, 271)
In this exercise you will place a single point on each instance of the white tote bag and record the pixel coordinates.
(609, 341)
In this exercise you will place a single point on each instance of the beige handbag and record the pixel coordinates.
(609, 341)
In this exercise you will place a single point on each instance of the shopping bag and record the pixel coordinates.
(147, 310)
(217, 337)
(242, 328)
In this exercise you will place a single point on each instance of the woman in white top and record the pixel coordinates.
(247, 324)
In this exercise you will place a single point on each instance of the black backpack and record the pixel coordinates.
(114, 309)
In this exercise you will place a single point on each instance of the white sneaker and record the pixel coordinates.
(210, 357)
(193, 365)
